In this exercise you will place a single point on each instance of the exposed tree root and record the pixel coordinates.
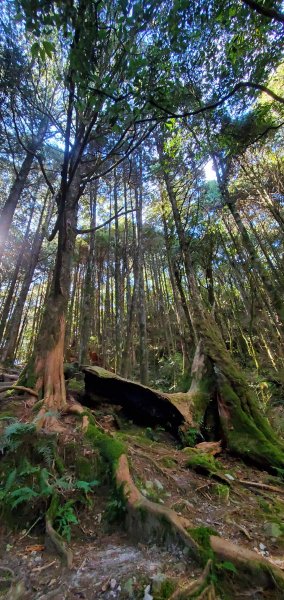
(19, 388)
(58, 543)
(148, 518)
(258, 569)
(78, 409)
(194, 586)
(145, 517)
(262, 486)
(208, 593)
(46, 420)
(163, 471)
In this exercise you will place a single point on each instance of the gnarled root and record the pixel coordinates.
(19, 388)
(58, 543)
(147, 518)
(78, 409)
(195, 586)
(248, 562)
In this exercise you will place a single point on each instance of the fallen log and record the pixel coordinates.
(142, 404)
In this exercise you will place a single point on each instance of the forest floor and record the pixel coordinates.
(108, 564)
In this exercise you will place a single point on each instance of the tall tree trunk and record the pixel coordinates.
(131, 308)
(45, 370)
(117, 281)
(143, 350)
(88, 290)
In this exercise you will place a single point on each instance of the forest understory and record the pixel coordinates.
(103, 550)
(141, 299)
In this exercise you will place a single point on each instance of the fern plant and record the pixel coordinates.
(64, 518)
(14, 435)
(32, 477)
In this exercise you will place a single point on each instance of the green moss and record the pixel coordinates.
(205, 463)
(189, 436)
(87, 469)
(167, 588)
(59, 464)
(110, 448)
(76, 386)
(223, 491)
(168, 462)
(27, 377)
(202, 536)
(143, 512)
(37, 406)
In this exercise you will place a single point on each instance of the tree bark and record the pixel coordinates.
(45, 370)
(88, 291)
(143, 351)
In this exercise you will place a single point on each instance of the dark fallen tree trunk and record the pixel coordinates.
(142, 404)
(219, 405)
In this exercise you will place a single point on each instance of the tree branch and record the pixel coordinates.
(93, 229)
(265, 11)
(238, 86)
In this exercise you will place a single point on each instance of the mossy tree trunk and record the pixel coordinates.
(222, 398)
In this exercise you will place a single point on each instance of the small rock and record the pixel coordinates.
(144, 492)
(113, 584)
(161, 501)
(158, 485)
(186, 551)
(38, 559)
(147, 595)
(273, 530)
(262, 546)
(229, 476)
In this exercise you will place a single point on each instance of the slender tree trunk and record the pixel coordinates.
(117, 282)
(143, 350)
(88, 290)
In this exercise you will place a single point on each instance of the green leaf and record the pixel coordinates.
(23, 494)
(86, 485)
(228, 566)
(10, 480)
(49, 48)
(35, 49)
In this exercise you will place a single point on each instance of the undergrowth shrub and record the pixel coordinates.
(32, 474)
